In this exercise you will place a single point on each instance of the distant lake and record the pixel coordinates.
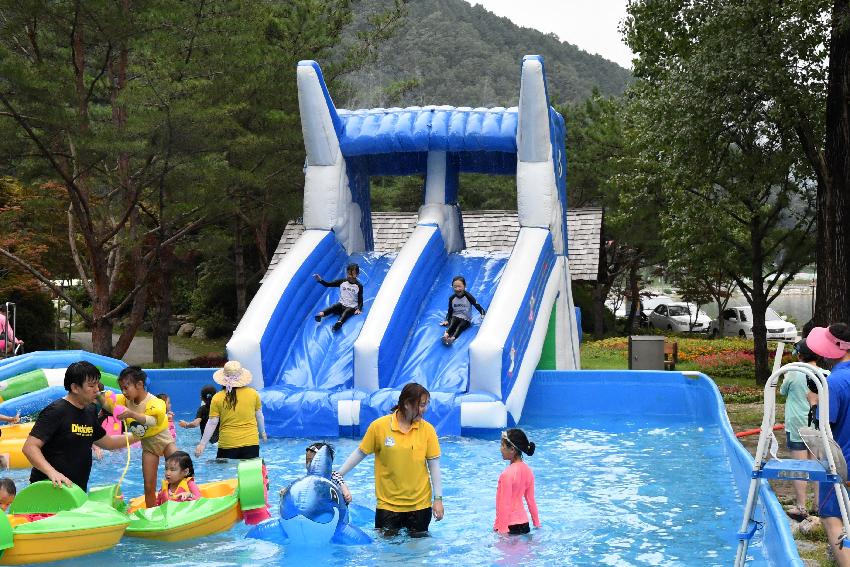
(796, 303)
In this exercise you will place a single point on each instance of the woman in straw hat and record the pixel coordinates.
(237, 412)
(833, 343)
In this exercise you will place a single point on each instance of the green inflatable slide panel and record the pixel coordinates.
(25, 383)
(252, 493)
(43, 498)
(109, 380)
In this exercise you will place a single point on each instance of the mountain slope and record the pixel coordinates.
(450, 52)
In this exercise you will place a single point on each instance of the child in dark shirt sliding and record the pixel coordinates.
(459, 317)
(350, 296)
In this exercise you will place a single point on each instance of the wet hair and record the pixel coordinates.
(134, 374)
(520, 441)
(183, 460)
(8, 485)
(412, 392)
(79, 373)
(314, 448)
(460, 279)
(352, 267)
(207, 393)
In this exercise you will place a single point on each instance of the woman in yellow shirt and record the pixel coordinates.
(237, 412)
(407, 465)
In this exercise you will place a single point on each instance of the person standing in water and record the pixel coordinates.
(407, 465)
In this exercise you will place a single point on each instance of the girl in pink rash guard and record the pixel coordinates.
(516, 482)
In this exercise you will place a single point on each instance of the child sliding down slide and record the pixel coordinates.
(350, 296)
(459, 317)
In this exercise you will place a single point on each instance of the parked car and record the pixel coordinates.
(679, 317)
(738, 322)
(649, 304)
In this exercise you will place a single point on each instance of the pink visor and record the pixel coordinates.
(822, 342)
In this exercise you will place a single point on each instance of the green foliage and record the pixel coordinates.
(449, 52)
(214, 300)
(583, 300)
(715, 120)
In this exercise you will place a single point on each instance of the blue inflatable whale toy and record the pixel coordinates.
(312, 511)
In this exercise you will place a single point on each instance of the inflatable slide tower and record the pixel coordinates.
(315, 382)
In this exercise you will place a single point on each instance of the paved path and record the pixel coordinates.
(140, 351)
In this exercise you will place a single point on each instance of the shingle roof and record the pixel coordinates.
(493, 231)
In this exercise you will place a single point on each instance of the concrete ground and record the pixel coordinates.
(140, 351)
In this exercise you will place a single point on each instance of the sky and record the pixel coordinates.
(591, 25)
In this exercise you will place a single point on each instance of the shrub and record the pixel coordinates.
(209, 360)
(583, 300)
(735, 394)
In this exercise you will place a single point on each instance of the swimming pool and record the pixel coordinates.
(629, 471)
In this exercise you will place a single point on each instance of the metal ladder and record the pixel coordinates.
(830, 465)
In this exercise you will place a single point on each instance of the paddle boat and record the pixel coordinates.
(12, 439)
(223, 503)
(46, 523)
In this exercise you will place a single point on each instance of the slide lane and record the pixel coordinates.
(425, 359)
(320, 359)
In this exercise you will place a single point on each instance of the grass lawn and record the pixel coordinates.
(728, 363)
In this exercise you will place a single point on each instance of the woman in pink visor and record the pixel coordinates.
(833, 342)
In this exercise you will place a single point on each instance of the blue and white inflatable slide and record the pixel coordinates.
(314, 382)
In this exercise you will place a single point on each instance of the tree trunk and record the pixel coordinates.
(758, 303)
(760, 334)
(599, 293)
(101, 336)
(833, 247)
(164, 304)
(634, 292)
(241, 279)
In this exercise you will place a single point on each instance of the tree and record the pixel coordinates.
(798, 55)
(832, 167)
(715, 137)
(82, 105)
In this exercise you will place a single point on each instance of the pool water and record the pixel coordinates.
(609, 493)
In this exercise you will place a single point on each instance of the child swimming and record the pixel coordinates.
(164, 397)
(179, 484)
(350, 297)
(336, 478)
(203, 413)
(515, 482)
(459, 316)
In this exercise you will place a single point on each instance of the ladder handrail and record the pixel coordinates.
(819, 377)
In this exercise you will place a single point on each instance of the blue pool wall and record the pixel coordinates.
(670, 396)
(619, 394)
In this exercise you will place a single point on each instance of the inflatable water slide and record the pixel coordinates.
(317, 382)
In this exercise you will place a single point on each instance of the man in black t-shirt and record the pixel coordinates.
(59, 445)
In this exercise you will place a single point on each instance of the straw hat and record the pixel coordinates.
(232, 375)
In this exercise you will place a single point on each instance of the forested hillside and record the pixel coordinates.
(450, 52)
